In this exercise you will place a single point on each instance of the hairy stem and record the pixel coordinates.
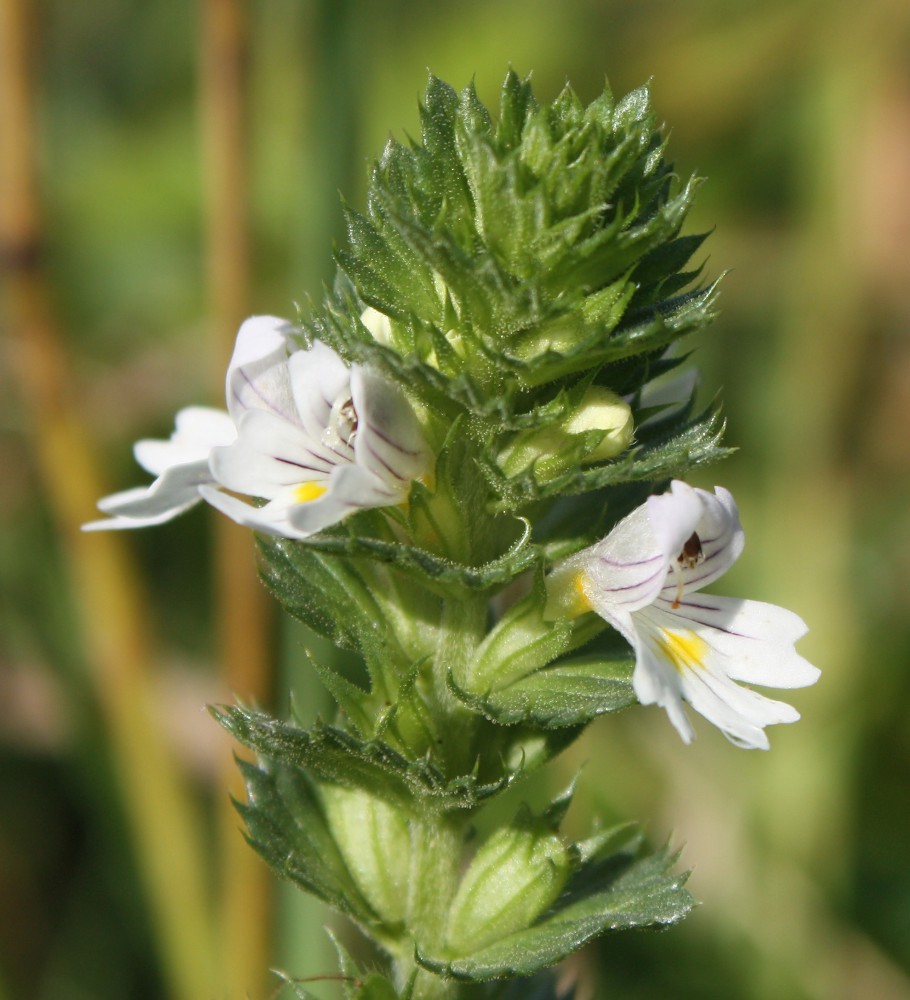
(460, 631)
(435, 856)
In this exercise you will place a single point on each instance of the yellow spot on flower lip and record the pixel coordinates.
(309, 491)
(581, 604)
(685, 650)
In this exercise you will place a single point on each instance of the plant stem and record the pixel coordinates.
(243, 620)
(436, 843)
(459, 633)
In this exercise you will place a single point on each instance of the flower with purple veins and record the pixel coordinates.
(645, 579)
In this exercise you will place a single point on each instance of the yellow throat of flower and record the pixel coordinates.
(685, 650)
(306, 492)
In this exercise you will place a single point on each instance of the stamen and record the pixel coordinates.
(689, 558)
(680, 583)
(692, 553)
(342, 425)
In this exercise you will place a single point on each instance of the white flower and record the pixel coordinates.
(315, 439)
(645, 579)
(312, 437)
(181, 465)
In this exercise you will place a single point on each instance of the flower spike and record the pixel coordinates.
(645, 579)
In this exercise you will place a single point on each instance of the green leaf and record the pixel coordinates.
(286, 825)
(443, 575)
(622, 892)
(507, 231)
(334, 755)
(571, 693)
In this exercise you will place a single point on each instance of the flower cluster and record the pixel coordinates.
(314, 438)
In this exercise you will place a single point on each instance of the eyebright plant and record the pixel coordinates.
(466, 466)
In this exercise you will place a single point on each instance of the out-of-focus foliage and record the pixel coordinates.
(798, 113)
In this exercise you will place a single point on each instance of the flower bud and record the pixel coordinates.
(378, 324)
(375, 843)
(604, 411)
(600, 427)
(516, 874)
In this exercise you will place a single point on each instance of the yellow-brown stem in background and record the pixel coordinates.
(244, 646)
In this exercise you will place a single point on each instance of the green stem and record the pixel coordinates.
(436, 843)
(437, 839)
(428, 986)
(460, 631)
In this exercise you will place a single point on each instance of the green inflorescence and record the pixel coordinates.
(510, 263)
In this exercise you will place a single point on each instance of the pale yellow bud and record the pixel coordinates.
(379, 325)
(553, 450)
(603, 410)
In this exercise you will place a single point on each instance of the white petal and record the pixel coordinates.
(270, 520)
(660, 680)
(739, 720)
(655, 682)
(721, 536)
(257, 376)
(673, 390)
(639, 559)
(350, 488)
(740, 713)
(287, 516)
(198, 429)
(389, 441)
(270, 453)
(318, 378)
(674, 515)
(171, 494)
(379, 325)
(755, 639)
(708, 661)
(132, 500)
(627, 570)
(356, 486)
(717, 528)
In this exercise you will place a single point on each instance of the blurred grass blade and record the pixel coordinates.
(164, 826)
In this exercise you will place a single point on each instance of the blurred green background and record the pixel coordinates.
(798, 113)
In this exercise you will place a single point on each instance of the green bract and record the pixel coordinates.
(517, 263)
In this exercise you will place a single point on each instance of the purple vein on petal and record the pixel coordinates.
(268, 405)
(391, 443)
(301, 465)
(634, 586)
